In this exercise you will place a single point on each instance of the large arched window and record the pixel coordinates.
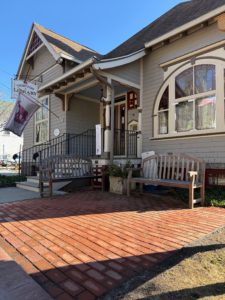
(188, 101)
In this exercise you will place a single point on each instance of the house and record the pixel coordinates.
(166, 85)
(9, 142)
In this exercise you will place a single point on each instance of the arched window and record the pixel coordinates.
(191, 105)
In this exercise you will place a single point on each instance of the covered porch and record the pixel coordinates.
(120, 136)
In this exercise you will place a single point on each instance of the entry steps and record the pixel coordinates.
(32, 184)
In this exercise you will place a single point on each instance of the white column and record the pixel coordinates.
(140, 139)
(107, 133)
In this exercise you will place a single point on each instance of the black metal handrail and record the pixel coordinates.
(82, 145)
(125, 143)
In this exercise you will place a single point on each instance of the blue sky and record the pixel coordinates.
(101, 25)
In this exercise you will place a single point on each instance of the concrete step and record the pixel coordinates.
(33, 185)
(30, 186)
(35, 179)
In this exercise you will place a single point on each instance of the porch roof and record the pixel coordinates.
(69, 77)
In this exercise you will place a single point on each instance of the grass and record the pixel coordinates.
(10, 181)
(213, 196)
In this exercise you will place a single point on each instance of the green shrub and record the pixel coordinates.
(9, 181)
(213, 196)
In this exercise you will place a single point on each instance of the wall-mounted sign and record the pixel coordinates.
(26, 88)
(98, 130)
(56, 132)
(132, 100)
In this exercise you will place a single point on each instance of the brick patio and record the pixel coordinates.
(82, 245)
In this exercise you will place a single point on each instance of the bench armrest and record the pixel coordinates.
(192, 175)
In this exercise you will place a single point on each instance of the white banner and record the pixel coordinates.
(98, 131)
(26, 88)
(23, 110)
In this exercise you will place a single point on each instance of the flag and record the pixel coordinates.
(23, 110)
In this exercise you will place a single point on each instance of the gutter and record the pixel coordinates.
(119, 61)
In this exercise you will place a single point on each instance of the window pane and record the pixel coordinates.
(44, 131)
(163, 122)
(204, 78)
(205, 111)
(39, 114)
(184, 83)
(164, 102)
(184, 116)
(37, 138)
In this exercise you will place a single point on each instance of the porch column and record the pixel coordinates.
(139, 135)
(107, 133)
(140, 138)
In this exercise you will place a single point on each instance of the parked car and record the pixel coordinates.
(3, 163)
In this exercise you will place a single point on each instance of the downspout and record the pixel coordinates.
(109, 84)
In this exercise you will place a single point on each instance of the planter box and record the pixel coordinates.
(117, 185)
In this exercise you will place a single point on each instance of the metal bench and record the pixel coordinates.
(172, 170)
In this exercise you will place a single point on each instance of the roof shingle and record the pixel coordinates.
(176, 17)
(63, 45)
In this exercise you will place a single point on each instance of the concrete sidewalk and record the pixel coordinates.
(15, 284)
(14, 194)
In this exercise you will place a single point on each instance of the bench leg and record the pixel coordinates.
(191, 196)
(141, 188)
(128, 187)
(202, 195)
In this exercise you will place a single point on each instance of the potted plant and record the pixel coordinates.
(118, 178)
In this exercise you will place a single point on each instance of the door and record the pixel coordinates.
(120, 129)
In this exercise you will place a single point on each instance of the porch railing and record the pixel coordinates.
(79, 146)
(125, 143)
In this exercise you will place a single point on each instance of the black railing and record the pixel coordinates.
(81, 146)
(76, 145)
(125, 143)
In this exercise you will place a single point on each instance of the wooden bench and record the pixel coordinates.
(172, 170)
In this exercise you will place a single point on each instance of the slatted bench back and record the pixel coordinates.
(173, 167)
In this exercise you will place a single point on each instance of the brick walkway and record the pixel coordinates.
(82, 245)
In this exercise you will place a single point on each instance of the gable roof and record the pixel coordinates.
(64, 46)
(179, 15)
(58, 45)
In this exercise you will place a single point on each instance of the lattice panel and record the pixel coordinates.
(35, 43)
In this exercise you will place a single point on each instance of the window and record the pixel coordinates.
(192, 104)
(42, 122)
(163, 112)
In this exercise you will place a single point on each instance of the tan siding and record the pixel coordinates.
(28, 135)
(83, 115)
(43, 60)
(54, 122)
(130, 72)
(51, 74)
(209, 148)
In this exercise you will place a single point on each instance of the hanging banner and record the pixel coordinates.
(23, 110)
(98, 131)
(26, 88)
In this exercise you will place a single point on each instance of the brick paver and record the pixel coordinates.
(82, 245)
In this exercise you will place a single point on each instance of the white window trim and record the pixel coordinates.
(219, 93)
(40, 121)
